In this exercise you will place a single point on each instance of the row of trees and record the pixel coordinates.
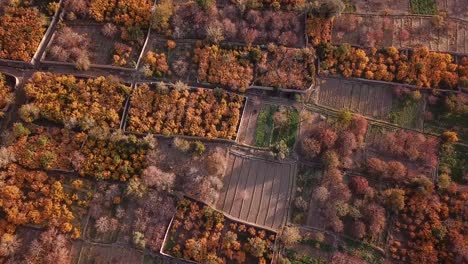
(421, 67)
(21, 31)
(39, 148)
(32, 197)
(178, 110)
(129, 13)
(7, 96)
(408, 146)
(82, 103)
(230, 68)
(280, 67)
(206, 234)
(286, 68)
(231, 23)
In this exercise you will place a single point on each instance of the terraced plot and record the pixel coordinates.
(361, 97)
(257, 190)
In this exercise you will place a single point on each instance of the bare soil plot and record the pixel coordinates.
(109, 254)
(248, 124)
(401, 32)
(369, 99)
(454, 8)
(257, 190)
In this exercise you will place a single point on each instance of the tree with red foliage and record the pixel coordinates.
(375, 217)
(358, 184)
(358, 230)
(347, 143)
(310, 147)
(395, 171)
(376, 166)
(327, 136)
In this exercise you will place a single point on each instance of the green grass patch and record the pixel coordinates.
(268, 134)
(424, 7)
(363, 251)
(455, 157)
(406, 112)
(302, 259)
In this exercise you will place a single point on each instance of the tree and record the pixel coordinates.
(443, 183)
(29, 113)
(395, 170)
(394, 199)
(376, 166)
(450, 136)
(139, 240)
(291, 235)
(321, 194)
(256, 246)
(330, 159)
(199, 147)
(345, 116)
(109, 30)
(358, 229)
(154, 177)
(6, 157)
(375, 216)
(310, 147)
(136, 188)
(358, 184)
(162, 13)
(216, 162)
(182, 144)
(9, 244)
(215, 32)
(347, 143)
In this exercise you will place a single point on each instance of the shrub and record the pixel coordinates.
(29, 113)
(136, 188)
(358, 184)
(154, 177)
(394, 199)
(6, 157)
(450, 137)
(109, 30)
(199, 147)
(182, 144)
(256, 246)
(69, 46)
(290, 236)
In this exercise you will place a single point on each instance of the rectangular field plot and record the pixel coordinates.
(109, 254)
(257, 190)
(365, 98)
(400, 31)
